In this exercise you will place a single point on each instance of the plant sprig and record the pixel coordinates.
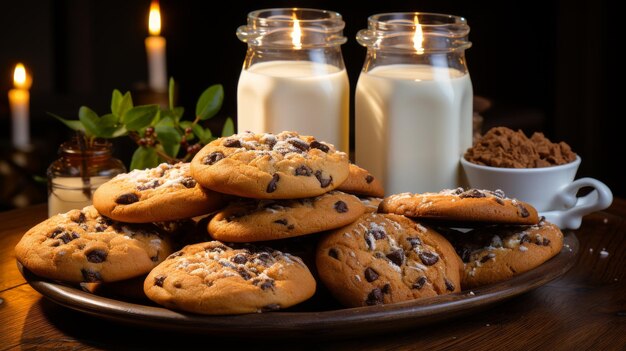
(160, 133)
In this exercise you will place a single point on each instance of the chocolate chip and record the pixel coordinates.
(523, 212)
(290, 227)
(100, 228)
(464, 253)
(419, 283)
(428, 258)
(499, 201)
(472, 193)
(159, 279)
(334, 253)
(524, 238)
(449, 285)
(264, 284)
(368, 242)
(96, 256)
(213, 158)
(239, 258)
(271, 187)
(67, 237)
(127, 199)
(370, 274)
(90, 276)
(303, 170)
(369, 178)
(414, 241)
(244, 273)
(299, 144)
(265, 257)
(56, 232)
(81, 218)
(386, 288)
(188, 182)
(397, 257)
(175, 254)
(375, 297)
(155, 258)
(341, 207)
(323, 182)
(270, 142)
(377, 233)
(281, 221)
(271, 307)
(317, 145)
(149, 185)
(487, 257)
(232, 143)
(546, 241)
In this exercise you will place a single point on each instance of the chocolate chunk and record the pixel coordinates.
(472, 193)
(244, 273)
(91, 276)
(281, 221)
(188, 182)
(232, 143)
(270, 142)
(341, 207)
(449, 285)
(159, 279)
(499, 201)
(464, 253)
(271, 307)
(428, 258)
(386, 289)
(369, 178)
(414, 241)
(419, 283)
(397, 257)
(299, 144)
(265, 257)
(524, 238)
(100, 228)
(96, 256)
(303, 170)
(317, 145)
(127, 199)
(487, 257)
(213, 158)
(175, 254)
(81, 218)
(334, 253)
(271, 187)
(56, 232)
(458, 191)
(370, 274)
(523, 212)
(368, 242)
(375, 297)
(149, 185)
(546, 241)
(264, 284)
(239, 258)
(323, 182)
(67, 237)
(377, 233)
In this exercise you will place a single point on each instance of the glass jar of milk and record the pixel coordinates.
(81, 168)
(293, 76)
(413, 116)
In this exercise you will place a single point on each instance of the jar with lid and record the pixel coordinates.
(293, 76)
(80, 169)
(413, 101)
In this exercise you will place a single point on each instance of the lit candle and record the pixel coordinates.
(155, 48)
(19, 101)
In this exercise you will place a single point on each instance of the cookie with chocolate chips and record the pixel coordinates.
(363, 183)
(84, 246)
(270, 166)
(164, 193)
(217, 278)
(472, 207)
(250, 220)
(386, 258)
(497, 253)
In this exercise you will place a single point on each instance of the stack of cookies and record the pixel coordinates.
(214, 236)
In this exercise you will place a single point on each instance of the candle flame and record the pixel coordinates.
(154, 20)
(21, 79)
(418, 37)
(296, 35)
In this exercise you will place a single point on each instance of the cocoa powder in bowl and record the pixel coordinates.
(505, 148)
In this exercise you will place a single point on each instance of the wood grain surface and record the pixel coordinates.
(583, 310)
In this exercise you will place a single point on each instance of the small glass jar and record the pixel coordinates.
(293, 76)
(78, 172)
(413, 101)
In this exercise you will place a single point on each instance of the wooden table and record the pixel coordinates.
(583, 310)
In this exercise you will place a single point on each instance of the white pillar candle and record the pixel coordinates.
(66, 193)
(19, 102)
(155, 49)
(303, 96)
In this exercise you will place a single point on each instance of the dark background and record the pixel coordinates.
(544, 65)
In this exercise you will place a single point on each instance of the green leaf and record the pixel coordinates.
(90, 120)
(171, 93)
(204, 135)
(144, 157)
(210, 102)
(229, 127)
(140, 116)
(178, 112)
(120, 104)
(119, 131)
(73, 125)
(107, 125)
(170, 138)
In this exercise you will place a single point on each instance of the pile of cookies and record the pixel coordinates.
(212, 236)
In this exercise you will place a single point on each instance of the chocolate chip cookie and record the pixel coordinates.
(361, 182)
(216, 278)
(386, 258)
(497, 253)
(83, 246)
(465, 207)
(164, 193)
(249, 220)
(270, 166)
